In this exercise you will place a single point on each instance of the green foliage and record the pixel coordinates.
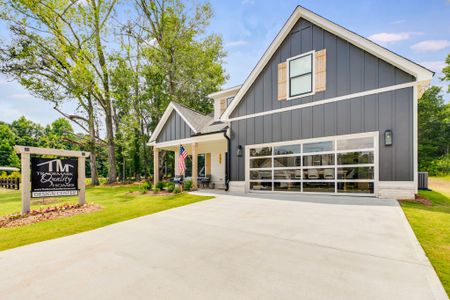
(434, 132)
(439, 166)
(187, 185)
(7, 141)
(65, 51)
(176, 190)
(156, 190)
(160, 185)
(146, 186)
(170, 187)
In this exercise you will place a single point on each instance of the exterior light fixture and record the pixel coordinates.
(239, 151)
(388, 137)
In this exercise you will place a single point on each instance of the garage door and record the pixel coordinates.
(341, 164)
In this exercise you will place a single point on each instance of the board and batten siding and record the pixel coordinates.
(349, 70)
(174, 129)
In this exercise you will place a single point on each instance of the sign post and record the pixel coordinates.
(52, 177)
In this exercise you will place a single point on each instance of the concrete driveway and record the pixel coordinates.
(233, 247)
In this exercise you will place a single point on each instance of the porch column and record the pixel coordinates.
(177, 159)
(194, 165)
(155, 165)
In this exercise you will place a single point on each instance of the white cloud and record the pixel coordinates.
(21, 96)
(430, 45)
(392, 37)
(398, 21)
(236, 43)
(435, 66)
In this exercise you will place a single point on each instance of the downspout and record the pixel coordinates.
(228, 162)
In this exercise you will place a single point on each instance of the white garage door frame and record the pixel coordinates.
(375, 149)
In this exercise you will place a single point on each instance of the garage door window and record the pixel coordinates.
(338, 165)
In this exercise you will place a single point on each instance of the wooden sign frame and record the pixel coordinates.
(25, 153)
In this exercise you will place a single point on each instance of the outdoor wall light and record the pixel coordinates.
(239, 151)
(388, 137)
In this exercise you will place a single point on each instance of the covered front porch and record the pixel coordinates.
(206, 163)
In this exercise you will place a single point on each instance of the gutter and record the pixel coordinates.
(228, 164)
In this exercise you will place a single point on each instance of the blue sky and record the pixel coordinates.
(418, 30)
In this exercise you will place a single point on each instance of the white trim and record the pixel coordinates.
(48, 151)
(398, 61)
(193, 139)
(313, 72)
(415, 140)
(335, 139)
(164, 119)
(220, 94)
(329, 100)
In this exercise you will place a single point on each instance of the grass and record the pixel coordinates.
(431, 224)
(118, 205)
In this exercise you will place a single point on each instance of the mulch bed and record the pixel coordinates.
(47, 213)
(151, 193)
(419, 199)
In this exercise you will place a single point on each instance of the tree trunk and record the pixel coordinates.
(112, 173)
(92, 147)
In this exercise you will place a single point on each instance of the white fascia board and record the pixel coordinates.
(194, 139)
(163, 121)
(225, 92)
(421, 73)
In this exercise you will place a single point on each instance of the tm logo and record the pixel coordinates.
(59, 166)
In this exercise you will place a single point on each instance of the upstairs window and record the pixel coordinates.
(229, 99)
(300, 75)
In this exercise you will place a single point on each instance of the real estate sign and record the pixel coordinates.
(54, 177)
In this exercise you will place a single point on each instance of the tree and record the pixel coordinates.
(188, 61)
(57, 53)
(26, 132)
(60, 135)
(434, 127)
(8, 156)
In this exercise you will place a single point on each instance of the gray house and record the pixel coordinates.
(324, 111)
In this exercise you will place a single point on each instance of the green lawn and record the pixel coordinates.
(118, 205)
(431, 225)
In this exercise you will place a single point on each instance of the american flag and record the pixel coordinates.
(182, 157)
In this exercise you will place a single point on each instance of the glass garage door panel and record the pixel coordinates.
(334, 166)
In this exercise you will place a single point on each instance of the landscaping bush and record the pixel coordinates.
(187, 185)
(156, 190)
(146, 186)
(440, 166)
(170, 187)
(177, 190)
(160, 185)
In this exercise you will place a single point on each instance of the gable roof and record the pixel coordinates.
(199, 123)
(419, 72)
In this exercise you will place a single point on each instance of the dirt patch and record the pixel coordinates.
(47, 213)
(419, 199)
(440, 184)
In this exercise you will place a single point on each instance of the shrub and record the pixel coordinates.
(170, 187)
(187, 185)
(15, 174)
(160, 185)
(177, 190)
(146, 186)
(156, 190)
(440, 166)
